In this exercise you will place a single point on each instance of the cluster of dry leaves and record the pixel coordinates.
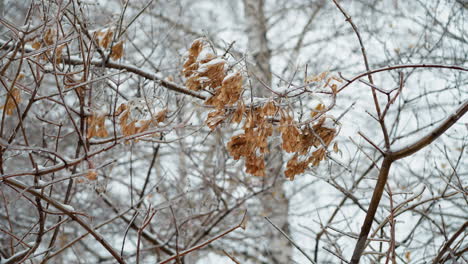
(103, 39)
(308, 142)
(48, 39)
(128, 124)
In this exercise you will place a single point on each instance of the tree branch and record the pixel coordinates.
(69, 213)
(119, 66)
(433, 135)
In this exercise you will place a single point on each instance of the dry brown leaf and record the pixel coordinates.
(319, 108)
(291, 137)
(239, 146)
(117, 51)
(215, 118)
(129, 129)
(120, 109)
(13, 98)
(142, 126)
(318, 156)
(96, 126)
(106, 40)
(36, 45)
(193, 83)
(239, 113)
(58, 54)
(123, 119)
(91, 175)
(408, 256)
(49, 36)
(317, 78)
(269, 109)
(334, 88)
(255, 165)
(295, 167)
(335, 147)
(161, 115)
(214, 73)
(190, 65)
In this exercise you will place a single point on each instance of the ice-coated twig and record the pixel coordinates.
(290, 240)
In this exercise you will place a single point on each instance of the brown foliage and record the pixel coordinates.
(308, 142)
(13, 98)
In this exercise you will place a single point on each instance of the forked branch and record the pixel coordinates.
(389, 158)
(242, 225)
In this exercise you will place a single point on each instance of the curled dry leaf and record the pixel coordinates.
(117, 50)
(229, 93)
(408, 256)
(318, 110)
(319, 137)
(318, 156)
(324, 134)
(121, 109)
(96, 126)
(193, 83)
(255, 165)
(13, 98)
(245, 219)
(215, 118)
(290, 134)
(142, 126)
(335, 147)
(317, 78)
(239, 146)
(124, 116)
(295, 167)
(261, 138)
(129, 126)
(161, 115)
(106, 39)
(36, 45)
(58, 54)
(239, 113)
(49, 36)
(204, 70)
(231, 88)
(91, 175)
(269, 109)
(212, 73)
(253, 118)
(190, 65)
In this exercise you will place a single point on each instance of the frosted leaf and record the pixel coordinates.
(204, 55)
(329, 123)
(214, 62)
(231, 75)
(203, 68)
(204, 79)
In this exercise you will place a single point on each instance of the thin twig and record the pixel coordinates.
(290, 240)
(187, 251)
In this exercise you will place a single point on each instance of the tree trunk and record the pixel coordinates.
(258, 51)
(275, 204)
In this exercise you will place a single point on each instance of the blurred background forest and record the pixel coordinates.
(233, 131)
